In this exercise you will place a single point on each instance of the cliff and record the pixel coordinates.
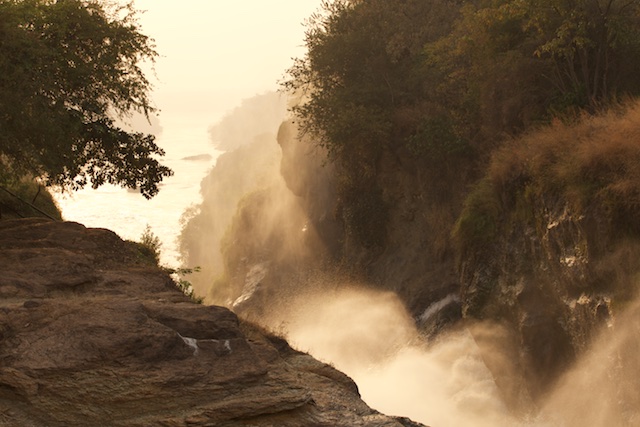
(415, 257)
(538, 261)
(91, 333)
(549, 242)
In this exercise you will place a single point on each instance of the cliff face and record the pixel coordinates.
(235, 174)
(416, 260)
(91, 334)
(547, 244)
(550, 246)
(536, 281)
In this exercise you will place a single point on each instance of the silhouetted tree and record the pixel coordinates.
(68, 69)
(510, 63)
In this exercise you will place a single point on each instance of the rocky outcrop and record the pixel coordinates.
(542, 281)
(235, 174)
(550, 247)
(92, 334)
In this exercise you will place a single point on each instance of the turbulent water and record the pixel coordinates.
(369, 335)
(128, 213)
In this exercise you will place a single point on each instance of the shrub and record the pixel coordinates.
(178, 274)
(478, 222)
(25, 198)
(150, 245)
(592, 165)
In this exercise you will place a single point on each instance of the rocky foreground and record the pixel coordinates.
(92, 334)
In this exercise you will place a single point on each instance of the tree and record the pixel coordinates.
(594, 46)
(511, 63)
(364, 80)
(487, 73)
(367, 99)
(68, 70)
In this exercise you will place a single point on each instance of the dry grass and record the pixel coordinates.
(592, 164)
(596, 158)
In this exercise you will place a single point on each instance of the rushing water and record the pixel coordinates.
(369, 335)
(128, 213)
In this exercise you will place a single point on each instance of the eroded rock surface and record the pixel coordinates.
(91, 334)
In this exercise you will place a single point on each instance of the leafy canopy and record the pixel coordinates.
(430, 75)
(363, 80)
(519, 61)
(436, 85)
(68, 70)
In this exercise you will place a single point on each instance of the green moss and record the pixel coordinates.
(478, 222)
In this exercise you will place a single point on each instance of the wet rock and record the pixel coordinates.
(545, 278)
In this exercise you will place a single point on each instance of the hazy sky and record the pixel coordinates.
(217, 52)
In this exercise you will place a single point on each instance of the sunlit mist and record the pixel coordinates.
(369, 335)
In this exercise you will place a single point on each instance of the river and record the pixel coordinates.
(128, 213)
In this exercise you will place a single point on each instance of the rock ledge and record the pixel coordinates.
(91, 334)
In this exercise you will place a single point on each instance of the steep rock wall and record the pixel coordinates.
(537, 280)
(549, 247)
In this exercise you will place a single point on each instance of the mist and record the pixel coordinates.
(369, 335)
(250, 161)
(602, 388)
(277, 272)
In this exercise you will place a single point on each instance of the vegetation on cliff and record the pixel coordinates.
(479, 154)
(68, 70)
(444, 81)
(515, 116)
(409, 104)
(586, 173)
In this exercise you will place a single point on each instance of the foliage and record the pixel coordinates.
(479, 221)
(363, 77)
(68, 69)
(366, 98)
(381, 75)
(150, 247)
(593, 44)
(150, 244)
(509, 64)
(440, 82)
(24, 198)
(184, 285)
(486, 73)
(592, 167)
